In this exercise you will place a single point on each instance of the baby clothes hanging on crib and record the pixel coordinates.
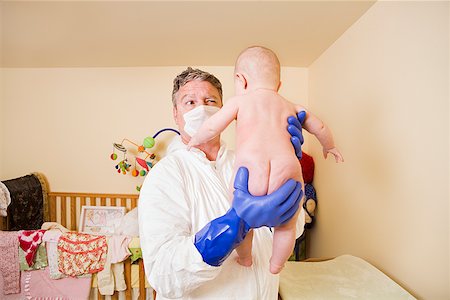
(112, 276)
(135, 249)
(51, 238)
(9, 262)
(28, 202)
(81, 253)
(29, 241)
(39, 261)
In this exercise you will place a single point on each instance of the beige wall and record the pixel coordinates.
(383, 89)
(62, 122)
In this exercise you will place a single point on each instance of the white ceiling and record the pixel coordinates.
(168, 33)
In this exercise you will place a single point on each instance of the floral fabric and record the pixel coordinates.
(81, 253)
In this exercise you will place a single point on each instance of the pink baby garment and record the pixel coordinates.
(29, 241)
(81, 253)
(9, 262)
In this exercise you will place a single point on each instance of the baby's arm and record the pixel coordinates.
(216, 123)
(316, 127)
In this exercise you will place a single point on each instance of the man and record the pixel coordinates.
(187, 229)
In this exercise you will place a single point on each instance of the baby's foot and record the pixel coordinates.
(275, 269)
(245, 261)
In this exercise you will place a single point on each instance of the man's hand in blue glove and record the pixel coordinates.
(271, 210)
(295, 130)
(219, 237)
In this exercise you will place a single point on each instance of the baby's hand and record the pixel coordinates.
(192, 143)
(337, 155)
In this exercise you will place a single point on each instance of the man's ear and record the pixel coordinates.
(175, 114)
(242, 80)
(279, 86)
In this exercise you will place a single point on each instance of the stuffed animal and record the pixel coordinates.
(310, 203)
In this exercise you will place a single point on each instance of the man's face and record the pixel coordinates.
(191, 95)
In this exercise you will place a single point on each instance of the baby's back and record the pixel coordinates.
(262, 142)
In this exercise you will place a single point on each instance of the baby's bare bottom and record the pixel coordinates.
(263, 180)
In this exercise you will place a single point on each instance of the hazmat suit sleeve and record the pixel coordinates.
(172, 264)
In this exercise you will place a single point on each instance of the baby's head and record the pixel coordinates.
(256, 67)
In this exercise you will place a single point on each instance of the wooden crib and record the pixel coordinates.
(65, 208)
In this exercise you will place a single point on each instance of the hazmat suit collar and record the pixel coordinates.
(177, 144)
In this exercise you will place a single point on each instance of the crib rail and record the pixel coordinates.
(65, 208)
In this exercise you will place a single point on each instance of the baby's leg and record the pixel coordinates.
(244, 250)
(257, 185)
(284, 235)
(283, 244)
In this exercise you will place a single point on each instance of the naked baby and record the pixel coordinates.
(262, 142)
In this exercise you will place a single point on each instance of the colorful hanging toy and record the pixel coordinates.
(141, 165)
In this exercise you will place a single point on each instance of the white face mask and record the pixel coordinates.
(194, 118)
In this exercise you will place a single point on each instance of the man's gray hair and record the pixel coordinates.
(194, 74)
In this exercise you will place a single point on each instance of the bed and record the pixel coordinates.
(343, 277)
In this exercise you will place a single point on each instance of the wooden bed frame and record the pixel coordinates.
(65, 208)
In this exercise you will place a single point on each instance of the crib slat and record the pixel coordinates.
(103, 201)
(52, 208)
(142, 292)
(133, 203)
(73, 213)
(82, 201)
(63, 212)
(123, 202)
(127, 271)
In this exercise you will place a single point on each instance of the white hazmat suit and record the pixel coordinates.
(182, 193)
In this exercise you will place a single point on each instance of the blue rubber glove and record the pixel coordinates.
(295, 130)
(271, 210)
(221, 236)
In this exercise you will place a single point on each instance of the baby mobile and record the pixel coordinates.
(143, 161)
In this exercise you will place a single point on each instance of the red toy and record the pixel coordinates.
(307, 163)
